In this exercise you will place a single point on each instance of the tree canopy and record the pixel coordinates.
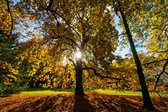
(39, 39)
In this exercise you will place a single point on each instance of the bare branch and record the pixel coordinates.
(166, 72)
(67, 22)
(155, 62)
(159, 75)
(118, 35)
(66, 38)
(54, 12)
(98, 74)
(91, 50)
(158, 94)
(72, 62)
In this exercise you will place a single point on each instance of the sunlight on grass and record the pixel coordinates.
(70, 91)
(117, 92)
(44, 92)
(47, 91)
(125, 92)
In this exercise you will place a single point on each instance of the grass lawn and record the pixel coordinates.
(70, 91)
(47, 91)
(58, 100)
(128, 92)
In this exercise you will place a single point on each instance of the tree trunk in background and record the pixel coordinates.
(79, 84)
(146, 98)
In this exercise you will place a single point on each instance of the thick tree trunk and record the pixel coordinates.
(146, 98)
(79, 83)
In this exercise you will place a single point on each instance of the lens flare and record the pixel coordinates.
(78, 55)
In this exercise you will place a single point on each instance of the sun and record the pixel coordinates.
(78, 55)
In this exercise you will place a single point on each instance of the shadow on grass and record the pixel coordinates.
(92, 102)
(82, 105)
(48, 89)
(5, 95)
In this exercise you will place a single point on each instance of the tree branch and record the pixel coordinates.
(166, 72)
(72, 62)
(10, 16)
(8, 6)
(98, 74)
(164, 28)
(118, 35)
(67, 22)
(50, 4)
(165, 51)
(159, 75)
(155, 62)
(91, 50)
(66, 38)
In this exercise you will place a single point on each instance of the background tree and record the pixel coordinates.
(146, 98)
(148, 22)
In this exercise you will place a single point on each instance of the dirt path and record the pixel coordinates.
(92, 102)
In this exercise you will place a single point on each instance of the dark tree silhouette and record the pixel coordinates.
(146, 97)
(79, 83)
